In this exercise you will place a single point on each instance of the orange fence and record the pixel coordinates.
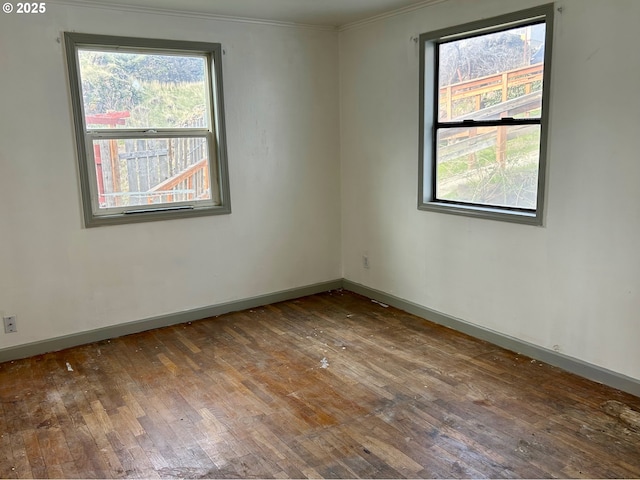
(481, 86)
(194, 180)
(474, 139)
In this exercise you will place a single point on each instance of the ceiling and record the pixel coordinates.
(310, 12)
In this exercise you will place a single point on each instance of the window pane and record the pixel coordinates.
(135, 90)
(133, 172)
(493, 166)
(492, 76)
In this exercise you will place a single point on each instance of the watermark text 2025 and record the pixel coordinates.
(22, 8)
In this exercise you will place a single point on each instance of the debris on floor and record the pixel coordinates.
(629, 417)
(380, 303)
(69, 369)
(324, 363)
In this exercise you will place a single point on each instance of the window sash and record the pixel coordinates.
(508, 121)
(208, 74)
(146, 133)
(500, 166)
(212, 163)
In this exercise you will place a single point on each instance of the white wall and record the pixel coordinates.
(573, 284)
(281, 87)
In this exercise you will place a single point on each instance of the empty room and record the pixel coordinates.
(319, 239)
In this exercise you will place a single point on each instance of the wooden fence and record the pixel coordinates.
(477, 89)
(158, 170)
(475, 93)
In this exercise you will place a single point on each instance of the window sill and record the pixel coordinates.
(153, 216)
(526, 218)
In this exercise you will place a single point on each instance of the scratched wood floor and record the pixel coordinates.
(246, 395)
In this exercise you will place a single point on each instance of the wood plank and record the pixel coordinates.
(246, 394)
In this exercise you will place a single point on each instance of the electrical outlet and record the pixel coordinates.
(10, 324)
(365, 261)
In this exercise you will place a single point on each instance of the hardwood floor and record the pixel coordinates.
(331, 385)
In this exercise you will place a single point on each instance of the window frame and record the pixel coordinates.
(429, 121)
(220, 202)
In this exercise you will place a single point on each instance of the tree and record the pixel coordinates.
(481, 56)
(158, 90)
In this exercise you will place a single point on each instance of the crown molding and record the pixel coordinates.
(105, 5)
(392, 13)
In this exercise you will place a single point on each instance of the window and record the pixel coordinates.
(149, 123)
(484, 115)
